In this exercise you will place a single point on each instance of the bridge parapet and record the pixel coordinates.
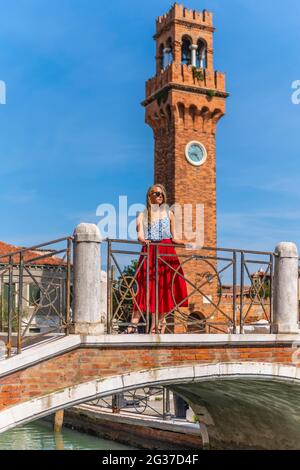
(234, 298)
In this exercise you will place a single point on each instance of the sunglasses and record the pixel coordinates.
(157, 194)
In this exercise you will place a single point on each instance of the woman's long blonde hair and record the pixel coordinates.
(148, 198)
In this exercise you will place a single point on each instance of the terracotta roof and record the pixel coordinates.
(261, 273)
(6, 249)
(229, 288)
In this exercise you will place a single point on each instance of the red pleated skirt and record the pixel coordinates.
(172, 289)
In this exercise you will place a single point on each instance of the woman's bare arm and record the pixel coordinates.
(140, 228)
(175, 240)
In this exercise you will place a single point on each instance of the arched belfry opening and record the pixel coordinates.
(186, 53)
(161, 56)
(165, 54)
(168, 53)
(201, 54)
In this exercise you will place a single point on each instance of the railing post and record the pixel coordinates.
(68, 288)
(117, 403)
(285, 289)
(88, 318)
(166, 404)
(20, 304)
(10, 308)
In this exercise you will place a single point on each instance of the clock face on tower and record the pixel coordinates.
(195, 153)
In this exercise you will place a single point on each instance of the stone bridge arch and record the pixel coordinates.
(223, 395)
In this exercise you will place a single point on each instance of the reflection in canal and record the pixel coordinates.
(39, 436)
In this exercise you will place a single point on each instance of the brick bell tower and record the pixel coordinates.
(184, 102)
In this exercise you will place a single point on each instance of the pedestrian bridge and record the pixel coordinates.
(243, 388)
(228, 380)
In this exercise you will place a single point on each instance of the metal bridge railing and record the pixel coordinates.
(155, 402)
(35, 293)
(299, 289)
(229, 290)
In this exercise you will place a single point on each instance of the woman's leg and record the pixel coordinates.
(161, 327)
(162, 324)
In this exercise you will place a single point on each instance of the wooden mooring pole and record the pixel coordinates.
(58, 421)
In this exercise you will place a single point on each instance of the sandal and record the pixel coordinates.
(130, 330)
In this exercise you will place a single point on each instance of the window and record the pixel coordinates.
(34, 295)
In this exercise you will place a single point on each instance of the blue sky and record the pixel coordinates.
(72, 134)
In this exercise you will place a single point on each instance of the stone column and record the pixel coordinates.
(194, 48)
(285, 289)
(87, 281)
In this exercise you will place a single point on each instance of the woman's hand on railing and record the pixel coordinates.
(193, 246)
(144, 242)
(176, 241)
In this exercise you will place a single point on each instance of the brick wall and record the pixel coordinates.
(85, 364)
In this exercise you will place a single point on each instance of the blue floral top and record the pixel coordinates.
(158, 230)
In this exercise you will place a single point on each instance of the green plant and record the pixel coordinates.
(198, 74)
(261, 290)
(211, 93)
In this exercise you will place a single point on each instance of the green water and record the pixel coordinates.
(39, 436)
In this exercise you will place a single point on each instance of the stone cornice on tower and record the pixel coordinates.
(158, 84)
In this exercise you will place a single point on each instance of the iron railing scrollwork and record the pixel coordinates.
(150, 401)
(229, 290)
(35, 293)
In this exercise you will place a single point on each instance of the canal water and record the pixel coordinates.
(39, 436)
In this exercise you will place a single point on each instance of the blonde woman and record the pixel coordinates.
(156, 225)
